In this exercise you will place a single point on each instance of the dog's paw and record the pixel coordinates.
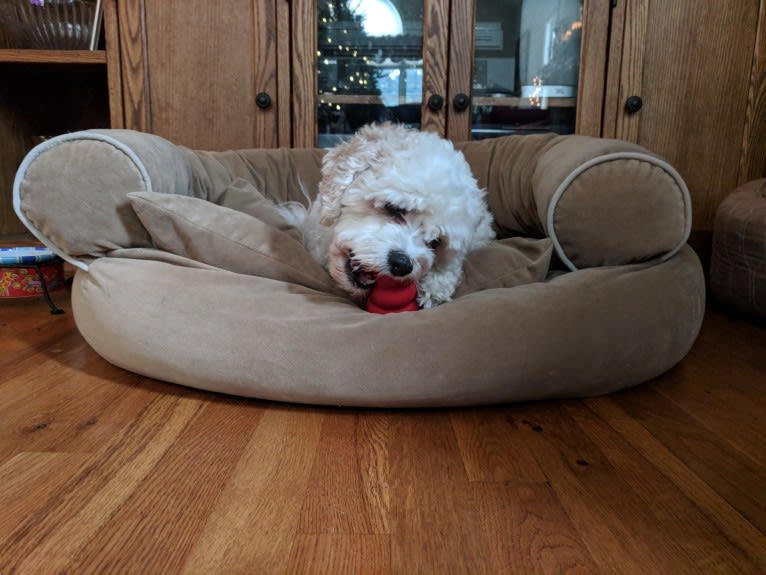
(426, 301)
(437, 287)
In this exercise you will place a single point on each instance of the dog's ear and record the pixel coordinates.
(341, 165)
(336, 177)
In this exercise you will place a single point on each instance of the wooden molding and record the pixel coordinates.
(593, 64)
(461, 58)
(304, 73)
(265, 72)
(753, 159)
(134, 68)
(435, 69)
(113, 64)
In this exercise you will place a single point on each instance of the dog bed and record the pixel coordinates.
(186, 274)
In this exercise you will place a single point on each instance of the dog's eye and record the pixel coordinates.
(435, 243)
(395, 211)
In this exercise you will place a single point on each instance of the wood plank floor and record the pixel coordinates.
(104, 471)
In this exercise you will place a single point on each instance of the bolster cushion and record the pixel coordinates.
(602, 202)
(261, 243)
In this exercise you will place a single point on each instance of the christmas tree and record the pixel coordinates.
(344, 50)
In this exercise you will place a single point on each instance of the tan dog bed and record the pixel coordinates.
(187, 275)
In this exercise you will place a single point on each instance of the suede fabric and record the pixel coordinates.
(179, 316)
(604, 202)
(228, 239)
(505, 264)
(621, 209)
(584, 333)
(263, 244)
(70, 222)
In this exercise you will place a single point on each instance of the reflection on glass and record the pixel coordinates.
(526, 66)
(369, 60)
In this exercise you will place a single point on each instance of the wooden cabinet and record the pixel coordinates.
(243, 73)
(466, 60)
(191, 72)
(205, 74)
(699, 69)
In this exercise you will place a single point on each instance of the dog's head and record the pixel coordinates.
(400, 202)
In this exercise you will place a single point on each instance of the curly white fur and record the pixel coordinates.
(399, 202)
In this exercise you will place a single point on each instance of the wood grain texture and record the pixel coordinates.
(331, 554)
(692, 64)
(284, 76)
(262, 498)
(27, 56)
(611, 103)
(594, 51)
(528, 530)
(634, 45)
(304, 73)
(134, 66)
(105, 471)
(436, 523)
(462, 25)
(753, 159)
(202, 71)
(264, 32)
(435, 63)
(113, 65)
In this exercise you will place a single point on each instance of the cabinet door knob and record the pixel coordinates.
(460, 102)
(435, 103)
(262, 100)
(633, 104)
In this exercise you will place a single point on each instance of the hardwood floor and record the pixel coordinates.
(104, 471)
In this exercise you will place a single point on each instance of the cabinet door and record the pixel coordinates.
(515, 67)
(463, 68)
(686, 80)
(363, 61)
(525, 67)
(200, 73)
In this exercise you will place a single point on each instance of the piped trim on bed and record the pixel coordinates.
(35, 152)
(663, 165)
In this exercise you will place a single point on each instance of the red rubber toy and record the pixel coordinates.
(391, 296)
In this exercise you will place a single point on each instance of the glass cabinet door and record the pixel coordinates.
(369, 61)
(526, 66)
(469, 69)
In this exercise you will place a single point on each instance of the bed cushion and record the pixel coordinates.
(232, 240)
(583, 333)
(602, 202)
(262, 243)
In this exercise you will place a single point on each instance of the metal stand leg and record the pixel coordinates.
(54, 310)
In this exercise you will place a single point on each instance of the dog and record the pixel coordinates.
(400, 202)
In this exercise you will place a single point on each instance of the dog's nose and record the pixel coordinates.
(399, 263)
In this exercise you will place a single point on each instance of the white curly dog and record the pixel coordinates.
(399, 202)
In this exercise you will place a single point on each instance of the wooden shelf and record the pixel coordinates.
(509, 101)
(516, 102)
(26, 56)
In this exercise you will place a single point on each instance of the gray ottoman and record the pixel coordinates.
(738, 265)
